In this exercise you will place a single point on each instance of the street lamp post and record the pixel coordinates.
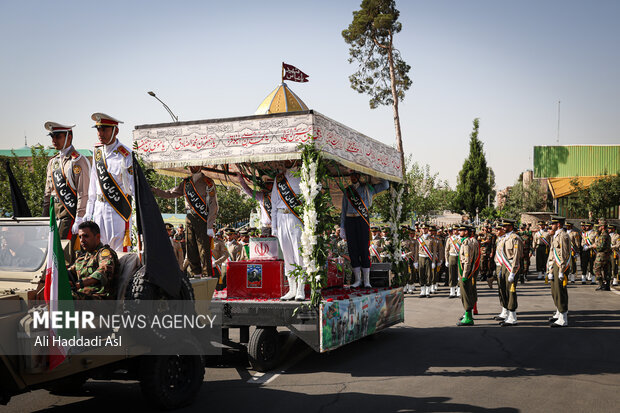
(175, 119)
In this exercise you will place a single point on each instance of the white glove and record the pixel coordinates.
(415, 265)
(433, 266)
(585, 247)
(561, 276)
(446, 264)
(511, 277)
(76, 224)
(550, 276)
(210, 233)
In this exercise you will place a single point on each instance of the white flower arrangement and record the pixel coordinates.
(310, 187)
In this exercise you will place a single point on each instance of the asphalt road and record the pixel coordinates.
(426, 364)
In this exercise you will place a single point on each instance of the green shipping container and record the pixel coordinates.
(576, 160)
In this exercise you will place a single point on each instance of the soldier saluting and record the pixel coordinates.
(111, 185)
(68, 176)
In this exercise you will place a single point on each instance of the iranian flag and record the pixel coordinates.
(57, 293)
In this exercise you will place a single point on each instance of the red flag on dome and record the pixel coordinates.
(292, 73)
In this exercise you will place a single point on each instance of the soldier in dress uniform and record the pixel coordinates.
(541, 242)
(615, 252)
(176, 247)
(440, 259)
(376, 245)
(68, 176)
(575, 245)
(286, 225)
(602, 262)
(469, 257)
(452, 250)
(588, 254)
(426, 260)
(111, 185)
(526, 236)
(558, 265)
(201, 209)
(96, 267)
(408, 248)
(486, 248)
(509, 254)
(387, 241)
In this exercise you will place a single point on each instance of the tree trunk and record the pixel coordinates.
(399, 139)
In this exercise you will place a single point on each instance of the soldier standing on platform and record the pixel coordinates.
(541, 242)
(286, 225)
(615, 252)
(575, 245)
(111, 185)
(452, 257)
(558, 264)
(588, 254)
(602, 262)
(426, 260)
(201, 210)
(509, 255)
(355, 223)
(68, 176)
(468, 265)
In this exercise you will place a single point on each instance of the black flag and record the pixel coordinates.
(162, 267)
(20, 206)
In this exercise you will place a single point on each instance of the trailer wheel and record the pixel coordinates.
(172, 381)
(264, 348)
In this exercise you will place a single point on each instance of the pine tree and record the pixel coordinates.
(473, 181)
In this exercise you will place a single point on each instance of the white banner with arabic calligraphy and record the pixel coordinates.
(263, 138)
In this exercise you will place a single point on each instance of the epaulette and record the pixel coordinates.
(75, 154)
(123, 151)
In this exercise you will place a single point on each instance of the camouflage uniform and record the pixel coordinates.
(615, 255)
(602, 246)
(486, 248)
(102, 265)
(526, 237)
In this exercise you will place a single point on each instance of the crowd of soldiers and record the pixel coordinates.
(458, 256)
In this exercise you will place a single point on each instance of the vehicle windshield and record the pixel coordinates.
(22, 247)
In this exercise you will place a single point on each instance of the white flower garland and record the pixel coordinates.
(395, 214)
(309, 187)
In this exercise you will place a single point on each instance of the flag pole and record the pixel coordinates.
(282, 74)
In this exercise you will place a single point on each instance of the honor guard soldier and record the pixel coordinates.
(387, 241)
(111, 185)
(575, 245)
(263, 196)
(408, 248)
(486, 250)
(452, 251)
(526, 237)
(588, 254)
(286, 225)
(426, 260)
(440, 259)
(201, 210)
(602, 262)
(234, 247)
(509, 253)
(68, 176)
(468, 266)
(541, 242)
(355, 224)
(615, 252)
(558, 265)
(376, 245)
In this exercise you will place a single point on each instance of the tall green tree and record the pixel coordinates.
(603, 194)
(233, 207)
(473, 186)
(381, 72)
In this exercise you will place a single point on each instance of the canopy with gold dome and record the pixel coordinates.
(260, 142)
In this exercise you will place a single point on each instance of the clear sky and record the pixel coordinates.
(507, 62)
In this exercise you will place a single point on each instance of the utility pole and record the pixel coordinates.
(558, 140)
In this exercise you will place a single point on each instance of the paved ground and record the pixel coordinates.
(426, 364)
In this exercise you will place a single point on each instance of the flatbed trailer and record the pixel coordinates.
(335, 323)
